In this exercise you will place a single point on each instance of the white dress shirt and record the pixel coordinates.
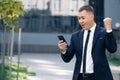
(89, 60)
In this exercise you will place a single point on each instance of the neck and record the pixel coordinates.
(92, 24)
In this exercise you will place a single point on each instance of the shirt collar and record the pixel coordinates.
(93, 28)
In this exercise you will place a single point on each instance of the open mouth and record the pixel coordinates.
(82, 25)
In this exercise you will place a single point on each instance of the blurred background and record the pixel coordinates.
(44, 20)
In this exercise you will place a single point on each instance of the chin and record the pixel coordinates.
(84, 28)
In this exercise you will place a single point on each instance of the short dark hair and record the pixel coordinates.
(87, 8)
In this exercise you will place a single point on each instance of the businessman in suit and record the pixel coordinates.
(89, 45)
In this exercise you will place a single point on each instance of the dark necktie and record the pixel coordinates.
(85, 51)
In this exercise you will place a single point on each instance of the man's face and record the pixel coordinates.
(85, 19)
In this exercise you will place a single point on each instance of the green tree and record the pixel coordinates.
(10, 10)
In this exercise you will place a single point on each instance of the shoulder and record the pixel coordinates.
(101, 29)
(77, 32)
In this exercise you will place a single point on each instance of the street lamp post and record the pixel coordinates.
(11, 50)
(19, 51)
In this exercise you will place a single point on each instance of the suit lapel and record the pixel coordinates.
(81, 40)
(96, 34)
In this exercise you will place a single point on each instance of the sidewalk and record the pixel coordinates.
(49, 66)
(115, 71)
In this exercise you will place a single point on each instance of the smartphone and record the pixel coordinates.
(60, 37)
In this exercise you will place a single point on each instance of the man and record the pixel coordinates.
(95, 66)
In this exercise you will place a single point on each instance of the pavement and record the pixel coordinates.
(50, 66)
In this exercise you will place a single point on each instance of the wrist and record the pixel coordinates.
(108, 31)
(108, 28)
(63, 50)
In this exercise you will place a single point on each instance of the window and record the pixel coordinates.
(73, 5)
(73, 21)
(57, 21)
(57, 5)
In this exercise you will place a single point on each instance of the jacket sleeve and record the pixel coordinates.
(69, 52)
(110, 42)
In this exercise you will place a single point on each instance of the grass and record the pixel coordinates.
(114, 60)
(23, 72)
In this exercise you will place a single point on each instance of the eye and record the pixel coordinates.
(79, 18)
(82, 17)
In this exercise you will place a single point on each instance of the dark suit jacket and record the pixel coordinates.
(101, 42)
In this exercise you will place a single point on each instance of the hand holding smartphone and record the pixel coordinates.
(60, 37)
(64, 46)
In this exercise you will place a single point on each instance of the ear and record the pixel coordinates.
(92, 16)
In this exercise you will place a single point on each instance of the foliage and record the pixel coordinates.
(23, 73)
(114, 60)
(10, 10)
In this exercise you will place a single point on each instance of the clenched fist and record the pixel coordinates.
(108, 23)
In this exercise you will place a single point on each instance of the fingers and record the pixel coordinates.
(107, 19)
(108, 23)
(61, 41)
(62, 45)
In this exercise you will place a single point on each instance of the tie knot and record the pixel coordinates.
(89, 31)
